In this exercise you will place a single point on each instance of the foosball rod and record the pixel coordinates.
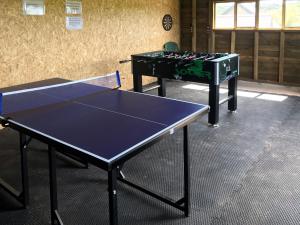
(225, 99)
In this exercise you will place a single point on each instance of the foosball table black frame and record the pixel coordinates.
(220, 67)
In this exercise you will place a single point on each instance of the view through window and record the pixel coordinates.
(292, 15)
(246, 14)
(270, 14)
(225, 15)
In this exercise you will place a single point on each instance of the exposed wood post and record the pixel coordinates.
(283, 14)
(232, 45)
(281, 56)
(256, 42)
(255, 58)
(233, 34)
(282, 43)
(257, 14)
(213, 42)
(235, 14)
(194, 25)
(211, 39)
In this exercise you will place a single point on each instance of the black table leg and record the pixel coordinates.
(187, 203)
(112, 194)
(232, 91)
(137, 83)
(213, 115)
(24, 170)
(55, 218)
(23, 195)
(162, 87)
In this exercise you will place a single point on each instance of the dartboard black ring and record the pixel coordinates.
(167, 22)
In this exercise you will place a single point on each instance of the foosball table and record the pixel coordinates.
(212, 69)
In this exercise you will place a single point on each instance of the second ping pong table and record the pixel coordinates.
(100, 125)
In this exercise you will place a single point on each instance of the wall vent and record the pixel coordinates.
(73, 7)
(74, 22)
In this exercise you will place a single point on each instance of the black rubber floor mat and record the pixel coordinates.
(244, 172)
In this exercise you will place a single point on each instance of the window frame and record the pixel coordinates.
(236, 13)
(214, 19)
(256, 27)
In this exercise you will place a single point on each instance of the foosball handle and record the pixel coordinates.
(125, 61)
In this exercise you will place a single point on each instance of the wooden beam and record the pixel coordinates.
(256, 42)
(235, 14)
(213, 42)
(194, 25)
(257, 14)
(282, 43)
(255, 58)
(232, 45)
(281, 56)
(283, 13)
(210, 26)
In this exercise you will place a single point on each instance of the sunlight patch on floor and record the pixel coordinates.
(195, 87)
(271, 97)
(247, 94)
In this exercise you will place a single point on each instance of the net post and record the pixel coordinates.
(118, 78)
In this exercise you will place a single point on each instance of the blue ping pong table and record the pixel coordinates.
(103, 126)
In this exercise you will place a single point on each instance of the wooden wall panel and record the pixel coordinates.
(222, 41)
(292, 58)
(39, 47)
(186, 25)
(268, 56)
(276, 57)
(202, 24)
(245, 47)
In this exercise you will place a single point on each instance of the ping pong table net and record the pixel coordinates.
(26, 99)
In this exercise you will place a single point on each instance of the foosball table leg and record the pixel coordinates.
(137, 83)
(162, 87)
(213, 115)
(232, 91)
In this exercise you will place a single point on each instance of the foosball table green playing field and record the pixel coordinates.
(212, 69)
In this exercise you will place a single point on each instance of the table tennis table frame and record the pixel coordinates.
(23, 195)
(113, 168)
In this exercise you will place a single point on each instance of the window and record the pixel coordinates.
(224, 17)
(246, 14)
(270, 14)
(292, 14)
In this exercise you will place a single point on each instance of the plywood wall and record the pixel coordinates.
(33, 48)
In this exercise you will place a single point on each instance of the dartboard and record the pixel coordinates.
(167, 22)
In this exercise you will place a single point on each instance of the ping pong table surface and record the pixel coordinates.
(104, 126)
